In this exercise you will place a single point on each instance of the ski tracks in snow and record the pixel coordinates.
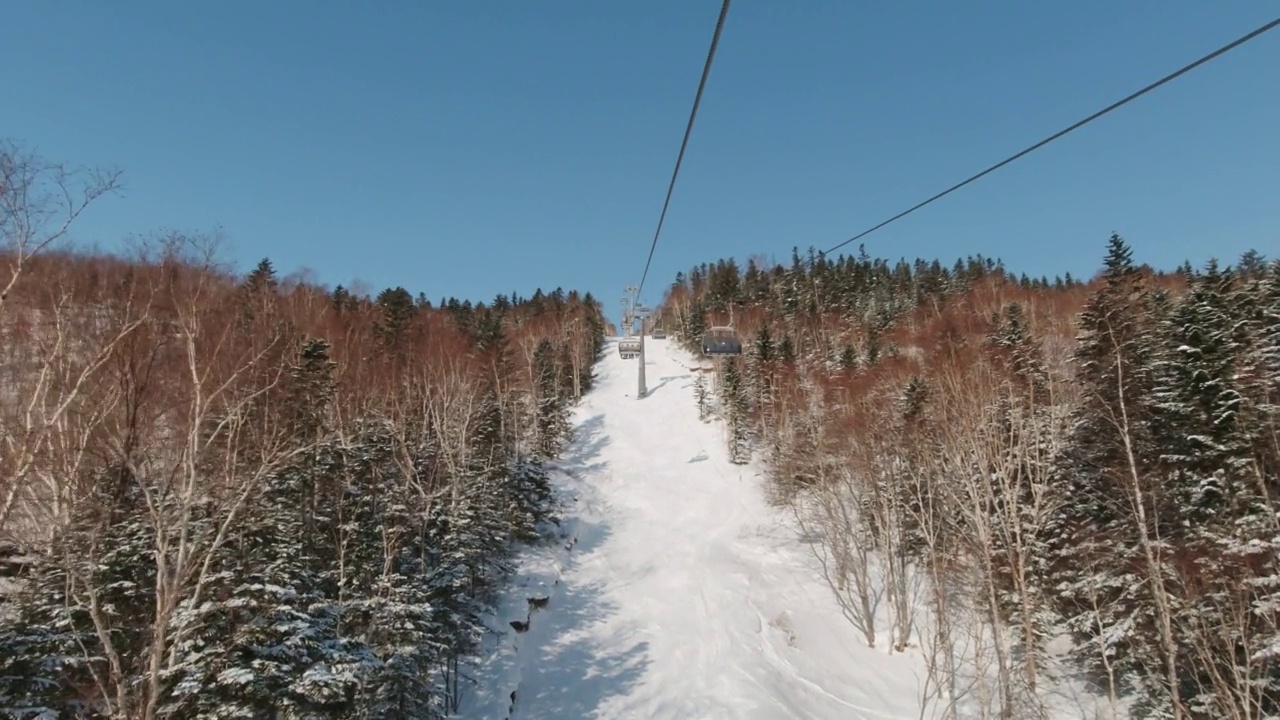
(676, 591)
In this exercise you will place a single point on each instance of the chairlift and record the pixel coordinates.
(659, 333)
(721, 340)
(629, 347)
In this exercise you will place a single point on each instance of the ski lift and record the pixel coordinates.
(659, 333)
(629, 347)
(721, 340)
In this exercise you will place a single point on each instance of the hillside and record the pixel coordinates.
(678, 592)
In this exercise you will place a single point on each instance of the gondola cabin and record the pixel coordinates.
(629, 348)
(721, 341)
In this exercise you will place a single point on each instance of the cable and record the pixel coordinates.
(706, 70)
(1220, 51)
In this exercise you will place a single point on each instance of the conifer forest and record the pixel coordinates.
(995, 464)
(232, 495)
(253, 497)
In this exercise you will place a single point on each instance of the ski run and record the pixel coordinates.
(677, 591)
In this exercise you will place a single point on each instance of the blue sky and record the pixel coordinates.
(471, 148)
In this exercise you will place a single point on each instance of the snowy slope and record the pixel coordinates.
(678, 593)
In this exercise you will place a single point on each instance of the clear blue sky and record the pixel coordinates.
(471, 148)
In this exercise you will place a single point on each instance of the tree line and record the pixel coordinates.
(993, 465)
(227, 496)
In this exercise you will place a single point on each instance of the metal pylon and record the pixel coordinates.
(641, 313)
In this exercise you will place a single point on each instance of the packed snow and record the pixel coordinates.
(678, 591)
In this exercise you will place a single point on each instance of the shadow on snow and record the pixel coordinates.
(663, 382)
(565, 664)
(578, 666)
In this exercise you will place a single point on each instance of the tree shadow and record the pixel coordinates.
(582, 454)
(565, 659)
(663, 382)
(578, 664)
(572, 667)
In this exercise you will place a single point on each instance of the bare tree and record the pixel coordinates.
(39, 202)
(58, 348)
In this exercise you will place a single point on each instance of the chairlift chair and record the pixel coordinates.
(721, 340)
(629, 347)
(659, 333)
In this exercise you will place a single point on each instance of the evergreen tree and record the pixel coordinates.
(1203, 446)
(552, 425)
(694, 326)
(342, 300)
(734, 402)
(848, 358)
(262, 279)
(398, 309)
(1217, 513)
(701, 395)
(311, 389)
(1098, 558)
(270, 644)
(54, 658)
(1016, 352)
(258, 292)
(786, 350)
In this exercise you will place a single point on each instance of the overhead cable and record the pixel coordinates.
(1216, 53)
(697, 99)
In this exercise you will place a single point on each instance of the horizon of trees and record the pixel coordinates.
(992, 463)
(241, 496)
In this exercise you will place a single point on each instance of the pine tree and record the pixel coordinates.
(1204, 451)
(51, 635)
(262, 279)
(270, 643)
(257, 293)
(1218, 514)
(848, 358)
(1017, 354)
(552, 425)
(701, 395)
(398, 309)
(734, 402)
(786, 350)
(532, 499)
(1103, 561)
(342, 300)
(694, 326)
(311, 389)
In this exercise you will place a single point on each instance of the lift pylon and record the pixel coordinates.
(641, 313)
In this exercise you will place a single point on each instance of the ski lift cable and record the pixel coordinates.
(706, 70)
(1220, 51)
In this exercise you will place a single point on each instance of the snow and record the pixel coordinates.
(677, 592)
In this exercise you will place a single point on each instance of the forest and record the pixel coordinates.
(253, 496)
(1030, 481)
(250, 495)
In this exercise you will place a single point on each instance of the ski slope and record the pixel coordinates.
(678, 592)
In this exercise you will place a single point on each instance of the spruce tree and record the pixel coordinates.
(551, 423)
(342, 300)
(262, 279)
(786, 350)
(397, 311)
(1204, 452)
(1096, 545)
(311, 389)
(701, 395)
(54, 655)
(269, 642)
(735, 404)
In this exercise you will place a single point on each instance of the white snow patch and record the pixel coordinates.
(677, 591)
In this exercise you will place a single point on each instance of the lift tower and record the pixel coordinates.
(641, 313)
(628, 312)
